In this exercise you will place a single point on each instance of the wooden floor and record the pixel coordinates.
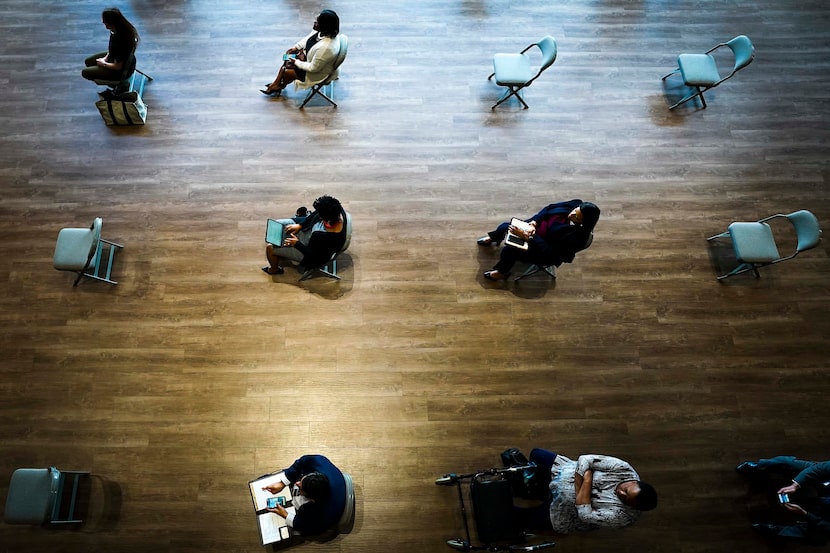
(197, 372)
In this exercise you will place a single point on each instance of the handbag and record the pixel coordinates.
(126, 109)
(521, 482)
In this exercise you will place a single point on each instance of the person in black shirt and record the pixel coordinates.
(109, 65)
(310, 240)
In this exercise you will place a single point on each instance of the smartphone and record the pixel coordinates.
(272, 502)
(286, 57)
(783, 498)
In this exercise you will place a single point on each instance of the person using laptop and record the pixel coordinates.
(552, 237)
(311, 240)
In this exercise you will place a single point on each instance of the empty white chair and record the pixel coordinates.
(755, 246)
(516, 72)
(700, 71)
(80, 250)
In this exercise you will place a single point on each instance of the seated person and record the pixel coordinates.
(315, 56)
(595, 491)
(319, 495)
(123, 38)
(310, 240)
(809, 489)
(558, 232)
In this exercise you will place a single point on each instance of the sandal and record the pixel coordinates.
(267, 270)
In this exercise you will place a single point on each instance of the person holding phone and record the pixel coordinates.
(809, 487)
(319, 495)
(312, 58)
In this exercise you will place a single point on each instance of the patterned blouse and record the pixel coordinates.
(606, 510)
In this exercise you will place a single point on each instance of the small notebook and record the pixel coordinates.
(275, 233)
(514, 239)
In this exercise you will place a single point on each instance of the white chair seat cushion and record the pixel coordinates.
(698, 69)
(30, 496)
(753, 242)
(72, 249)
(512, 69)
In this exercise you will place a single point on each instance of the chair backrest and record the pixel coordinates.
(346, 522)
(548, 47)
(344, 49)
(95, 227)
(338, 61)
(744, 52)
(806, 228)
(347, 221)
(588, 242)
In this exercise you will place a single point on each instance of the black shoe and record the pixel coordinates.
(749, 468)
(771, 530)
(495, 275)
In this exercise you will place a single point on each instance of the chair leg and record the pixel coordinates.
(317, 90)
(511, 91)
(740, 269)
(533, 269)
(670, 74)
(697, 92)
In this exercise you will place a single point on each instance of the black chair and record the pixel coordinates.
(550, 269)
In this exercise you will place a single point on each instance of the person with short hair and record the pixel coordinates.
(310, 240)
(109, 65)
(311, 58)
(319, 495)
(595, 491)
(557, 232)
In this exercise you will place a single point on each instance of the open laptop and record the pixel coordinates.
(275, 233)
(514, 239)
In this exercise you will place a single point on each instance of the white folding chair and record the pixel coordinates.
(81, 250)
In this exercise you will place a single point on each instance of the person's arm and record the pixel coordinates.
(811, 476)
(115, 66)
(321, 57)
(604, 463)
(583, 488)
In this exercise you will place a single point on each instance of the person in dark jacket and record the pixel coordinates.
(807, 496)
(319, 495)
(310, 240)
(556, 233)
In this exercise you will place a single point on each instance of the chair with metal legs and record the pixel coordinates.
(516, 72)
(700, 71)
(754, 243)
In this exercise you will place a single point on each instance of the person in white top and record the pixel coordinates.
(311, 59)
